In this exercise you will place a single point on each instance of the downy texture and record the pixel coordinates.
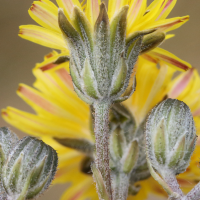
(170, 137)
(62, 120)
(29, 169)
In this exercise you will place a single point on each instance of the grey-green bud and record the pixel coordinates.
(29, 169)
(170, 136)
(8, 140)
(101, 59)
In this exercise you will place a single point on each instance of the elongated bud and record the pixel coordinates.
(117, 144)
(8, 140)
(29, 170)
(101, 189)
(170, 136)
(130, 158)
(82, 145)
(152, 40)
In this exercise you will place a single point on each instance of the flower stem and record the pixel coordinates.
(101, 126)
(171, 180)
(120, 186)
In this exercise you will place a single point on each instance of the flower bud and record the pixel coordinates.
(152, 40)
(170, 136)
(8, 140)
(29, 170)
(101, 64)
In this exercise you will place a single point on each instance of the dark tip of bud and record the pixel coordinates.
(152, 40)
(62, 59)
(86, 165)
(103, 16)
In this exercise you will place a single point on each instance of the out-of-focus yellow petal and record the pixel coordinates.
(57, 89)
(38, 126)
(136, 11)
(167, 25)
(169, 58)
(49, 3)
(75, 192)
(167, 9)
(68, 6)
(168, 36)
(92, 11)
(45, 15)
(146, 21)
(42, 36)
(90, 193)
(181, 84)
(114, 6)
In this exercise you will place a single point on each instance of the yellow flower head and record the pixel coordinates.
(140, 17)
(60, 114)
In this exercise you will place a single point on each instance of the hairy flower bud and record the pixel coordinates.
(29, 170)
(170, 137)
(101, 64)
(8, 139)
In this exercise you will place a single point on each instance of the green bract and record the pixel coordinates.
(102, 60)
(170, 137)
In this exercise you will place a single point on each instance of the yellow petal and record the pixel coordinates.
(56, 87)
(167, 25)
(169, 58)
(92, 10)
(68, 6)
(38, 126)
(168, 36)
(76, 191)
(169, 5)
(181, 84)
(114, 6)
(136, 11)
(42, 36)
(149, 18)
(49, 3)
(41, 103)
(45, 15)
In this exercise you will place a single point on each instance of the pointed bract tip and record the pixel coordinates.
(103, 16)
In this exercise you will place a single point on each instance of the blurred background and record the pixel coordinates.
(18, 56)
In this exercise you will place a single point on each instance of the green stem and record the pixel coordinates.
(101, 126)
(120, 185)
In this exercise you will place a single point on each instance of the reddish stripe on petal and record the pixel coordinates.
(165, 8)
(4, 113)
(48, 66)
(35, 98)
(150, 58)
(181, 84)
(65, 77)
(171, 24)
(171, 61)
(196, 113)
(49, 55)
(77, 195)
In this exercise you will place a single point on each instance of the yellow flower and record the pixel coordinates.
(140, 17)
(59, 113)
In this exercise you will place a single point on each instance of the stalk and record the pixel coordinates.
(120, 185)
(101, 127)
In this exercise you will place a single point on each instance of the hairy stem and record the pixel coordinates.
(101, 126)
(194, 194)
(171, 181)
(120, 186)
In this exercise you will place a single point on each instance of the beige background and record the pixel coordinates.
(18, 56)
